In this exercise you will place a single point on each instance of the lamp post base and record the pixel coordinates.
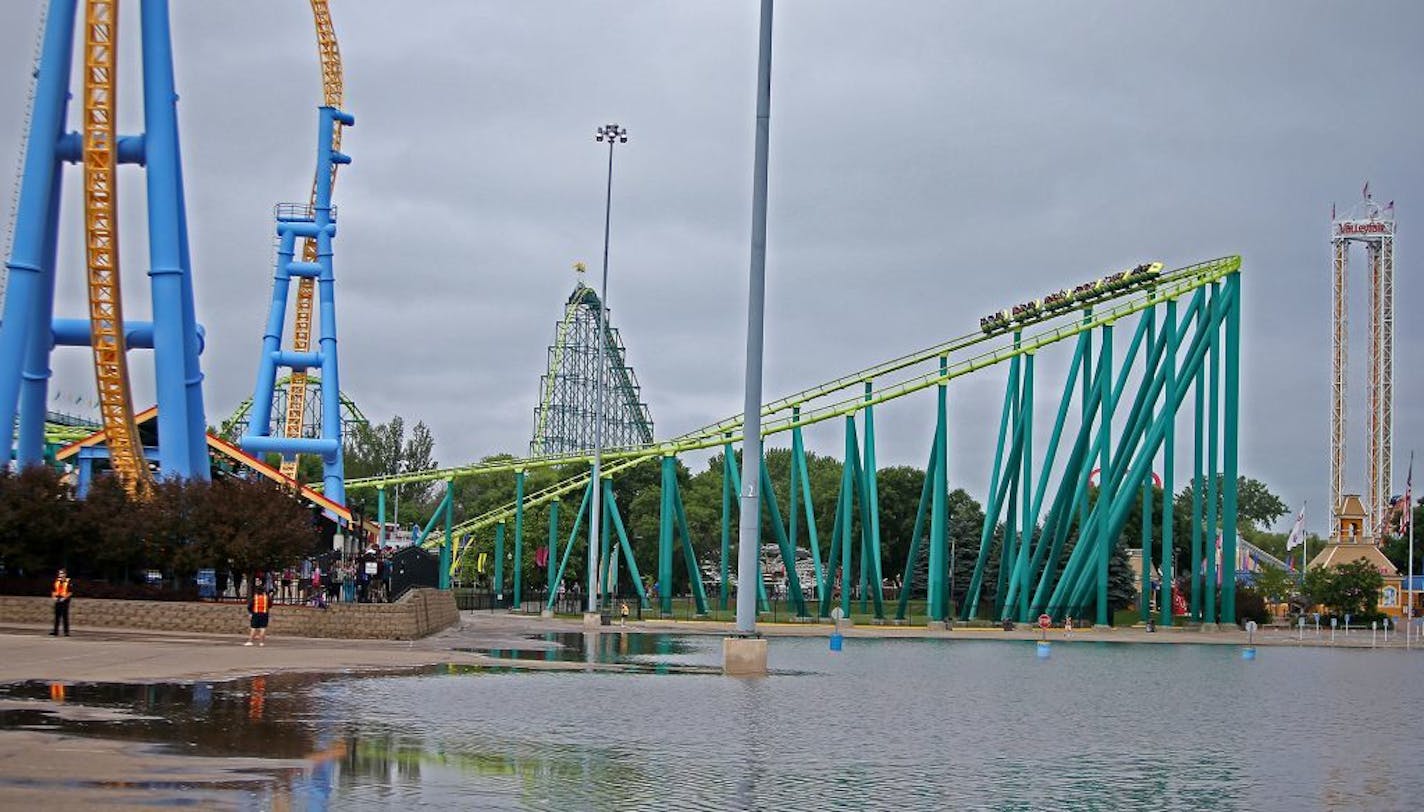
(744, 656)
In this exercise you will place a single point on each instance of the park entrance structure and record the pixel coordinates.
(1048, 536)
(565, 419)
(1371, 225)
(30, 330)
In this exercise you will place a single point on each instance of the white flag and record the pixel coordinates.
(1297, 535)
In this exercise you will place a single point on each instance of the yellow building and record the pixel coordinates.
(1350, 543)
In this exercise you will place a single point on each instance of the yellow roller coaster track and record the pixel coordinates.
(106, 314)
(331, 86)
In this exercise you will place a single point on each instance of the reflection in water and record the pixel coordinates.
(885, 724)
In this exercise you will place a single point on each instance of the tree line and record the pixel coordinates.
(179, 527)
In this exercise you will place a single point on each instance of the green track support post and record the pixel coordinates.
(727, 472)
(798, 462)
(1144, 590)
(1104, 544)
(573, 536)
(1041, 539)
(609, 552)
(1026, 529)
(935, 592)
(694, 573)
(847, 505)
(1087, 412)
(552, 587)
(870, 521)
(518, 566)
(616, 519)
(788, 553)
(498, 580)
(907, 579)
(1229, 461)
(991, 510)
(665, 533)
(447, 550)
(1169, 461)
(1144, 587)
(1213, 537)
(380, 517)
(1198, 482)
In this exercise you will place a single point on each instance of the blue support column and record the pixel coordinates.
(177, 379)
(318, 225)
(28, 307)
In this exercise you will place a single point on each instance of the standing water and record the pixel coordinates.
(884, 724)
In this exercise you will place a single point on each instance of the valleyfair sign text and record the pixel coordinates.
(1362, 227)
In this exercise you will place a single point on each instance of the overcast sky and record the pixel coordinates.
(930, 162)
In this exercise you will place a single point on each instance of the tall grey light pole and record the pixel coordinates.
(613, 134)
(749, 521)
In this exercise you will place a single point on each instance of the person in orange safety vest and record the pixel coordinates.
(61, 593)
(259, 606)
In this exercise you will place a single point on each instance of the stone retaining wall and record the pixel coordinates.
(418, 613)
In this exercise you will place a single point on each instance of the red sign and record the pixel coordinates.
(1367, 227)
(1044, 621)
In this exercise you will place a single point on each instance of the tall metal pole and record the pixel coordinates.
(612, 133)
(748, 522)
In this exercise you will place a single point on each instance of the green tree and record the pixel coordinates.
(254, 525)
(1351, 588)
(383, 449)
(38, 520)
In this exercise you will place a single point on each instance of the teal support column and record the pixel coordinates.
(551, 586)
(616, 520)
(1144, 590)
(991, 510)
(1169, 461)
(1041, 538)
(1213, 537)
(1026, 526)
(518, 590)
(447, 550)
(803, 476)
(573, 535)
(380, 517)
(1144, 587)
(788, 553)
(694, 573)
(608, 549)
(497, 581)
(1103, 542)
(871, 519)
(727, 471)
(1228, 453)
(1198, 414)
(793, 496)
(1089, 385)
(935, 591)
(847, 506)
(666, 520)
(907, 577)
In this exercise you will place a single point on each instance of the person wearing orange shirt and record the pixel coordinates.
(259, 607)
(61, 592)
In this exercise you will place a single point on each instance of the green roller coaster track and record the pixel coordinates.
(1037, 571)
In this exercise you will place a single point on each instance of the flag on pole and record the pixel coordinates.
(1365, 192)
(1407, 508)
(1297, 534)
